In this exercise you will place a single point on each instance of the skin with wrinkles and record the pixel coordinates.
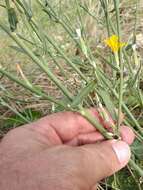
(61, 151)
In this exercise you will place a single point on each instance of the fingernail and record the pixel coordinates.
(122, 151)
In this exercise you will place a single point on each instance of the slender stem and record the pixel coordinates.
(7, 4)
(128, 63)
(66, 58)
(68, 61)
(38, 62)
(136, 167)
(107, 18)
(31, 88)
(67, 28)
(80, 18)
(2, 102)
(128, 112)
(116, 5)
(113, 66)
(63, 72)
(87, 115)
(134, 177)
(136, 19)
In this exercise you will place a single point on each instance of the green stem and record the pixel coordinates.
(117, 59)
(112, 26)
(68, 61)
(38, 62)
(58, 64)
(35, 28)
(130, 115)
(120, 98)
(107, 18)
(87, 115)
(7, 4)
(136, 167)
(131, 72)
(80, 18)
(3, 103)
(116, 5)
(113, 66)
(60, 21)
(31, 88)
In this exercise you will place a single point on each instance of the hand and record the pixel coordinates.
(61, 151)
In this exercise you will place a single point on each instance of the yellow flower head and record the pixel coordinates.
(114, 43)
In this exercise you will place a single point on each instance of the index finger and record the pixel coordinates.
(66, 124)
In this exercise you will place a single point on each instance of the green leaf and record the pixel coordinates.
(18, 49)
(135, 78)
(108, 102)
(83, 94)
(137, 149)
(124, 181)
(26, 6)
(12, 18)
(140, 94)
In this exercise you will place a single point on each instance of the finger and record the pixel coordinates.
(108, 122)
(83, 139)
(102, 160)
(127, 135)
(76, 167)
(70, 124)
(66, 124)
(95, 187)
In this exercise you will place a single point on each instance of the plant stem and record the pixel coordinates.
(38, 62)
(128, 112)
(87, 115)
(107, 18)
(58, 64)
(68, 61)
(67, 28)
(116, 5)
(136, 167)
(2, 102)
(35, 27)
(66, 58)
(80, 18)
(7, 4)
(31, 88)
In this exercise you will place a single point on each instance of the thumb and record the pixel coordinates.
(102, 160)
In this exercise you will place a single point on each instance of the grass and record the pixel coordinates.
(47, 58)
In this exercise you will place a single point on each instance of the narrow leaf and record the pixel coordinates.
(108, 102)
(83, 94)
(12, 18)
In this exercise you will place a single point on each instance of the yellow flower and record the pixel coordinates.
(114, 43)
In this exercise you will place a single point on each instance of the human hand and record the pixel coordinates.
(60, 151)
